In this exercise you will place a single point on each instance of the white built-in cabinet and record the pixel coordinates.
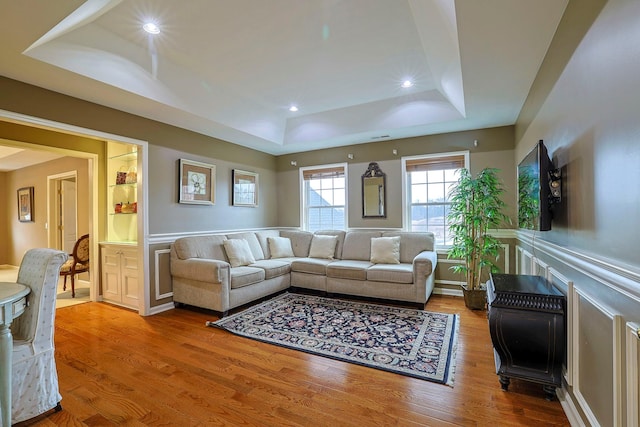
(119, 266)
(119, 253)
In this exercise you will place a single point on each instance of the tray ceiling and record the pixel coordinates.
(232, 69)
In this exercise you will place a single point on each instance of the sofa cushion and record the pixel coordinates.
(262, 237)
(280, 247)
(244, 276)
(385, 250)
(310, 265)
(238, 252)
(207, 247)
(412, 243)
(323, 246)
(394, 273)
(339, 244)
(300, 241)
(273, 267)
(357, 245)
(253, 242)
(348, 269)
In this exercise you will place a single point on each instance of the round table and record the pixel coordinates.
(13, 301)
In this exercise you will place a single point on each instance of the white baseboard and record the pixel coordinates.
(448, 291)
(570, 408)
(161, 308)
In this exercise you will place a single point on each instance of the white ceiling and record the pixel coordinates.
(231, 69)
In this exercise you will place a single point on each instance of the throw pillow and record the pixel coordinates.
(385, 250)
(238, 252)
(280, 247)
(323, 246)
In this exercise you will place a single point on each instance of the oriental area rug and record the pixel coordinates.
(406, 341)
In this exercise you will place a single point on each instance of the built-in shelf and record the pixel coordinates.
(122, 190)
(128, 184)
(126, 157)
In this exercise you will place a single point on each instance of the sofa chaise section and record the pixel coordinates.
(203, 277)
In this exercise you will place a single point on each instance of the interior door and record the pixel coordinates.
(68, 220)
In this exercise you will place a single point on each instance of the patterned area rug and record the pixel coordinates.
(410, 342)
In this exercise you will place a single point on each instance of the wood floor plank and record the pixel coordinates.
(118, 368)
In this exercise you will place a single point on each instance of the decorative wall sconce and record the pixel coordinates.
(555, 185)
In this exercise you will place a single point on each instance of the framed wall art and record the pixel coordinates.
(197, 183)
(25, 204)
(245, 188)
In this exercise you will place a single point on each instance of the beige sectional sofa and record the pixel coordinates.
(225, 271)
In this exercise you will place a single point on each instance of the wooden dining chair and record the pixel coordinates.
(78, 262)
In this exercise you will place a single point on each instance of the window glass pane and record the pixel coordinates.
(428, 192)
(325, 201)
(419, 193)
(438, 232)
(327, 197)
(435, 176)
(418, 218)
(418, 177)
(435, 193)
(449, 189)
(451, 175)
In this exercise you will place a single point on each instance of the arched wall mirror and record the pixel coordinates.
(373, 192)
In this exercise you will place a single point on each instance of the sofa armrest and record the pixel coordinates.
(424, 264)
(202, 270)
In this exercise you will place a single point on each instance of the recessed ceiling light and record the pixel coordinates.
(407, 83)
(151, 28)
(293, 108)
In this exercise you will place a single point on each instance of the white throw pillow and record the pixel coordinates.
(385, 250)
(280, 247)
(238, 252)
(323, 246)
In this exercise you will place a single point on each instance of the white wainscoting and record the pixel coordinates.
(633, 374)
(157, 255)
(597, 342)
(602, 373)
(524, 261)
(558, 279)
(506, 248)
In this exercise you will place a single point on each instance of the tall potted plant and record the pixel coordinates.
(476, 207)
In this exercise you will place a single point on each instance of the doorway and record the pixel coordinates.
(62, 209)
(62, 225)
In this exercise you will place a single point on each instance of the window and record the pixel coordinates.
(324, 197)
(428, 182)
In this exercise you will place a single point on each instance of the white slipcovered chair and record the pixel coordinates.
(34, 381)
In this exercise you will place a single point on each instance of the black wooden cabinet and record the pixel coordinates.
(527, 326)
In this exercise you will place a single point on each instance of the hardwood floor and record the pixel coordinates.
(117, 368)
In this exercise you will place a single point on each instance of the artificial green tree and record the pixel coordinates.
(476, 207)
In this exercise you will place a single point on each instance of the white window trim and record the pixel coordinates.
(303, 196)
(406, 204)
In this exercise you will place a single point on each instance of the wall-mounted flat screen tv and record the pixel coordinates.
(533, 190)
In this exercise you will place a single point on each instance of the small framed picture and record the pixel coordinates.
(245, 188)
(25, 204)
(197, 183)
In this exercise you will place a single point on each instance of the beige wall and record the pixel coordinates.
(4, 215)
(166, 215)
(588, 119)
(495, 149)
(589, 123)
(25, 235)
